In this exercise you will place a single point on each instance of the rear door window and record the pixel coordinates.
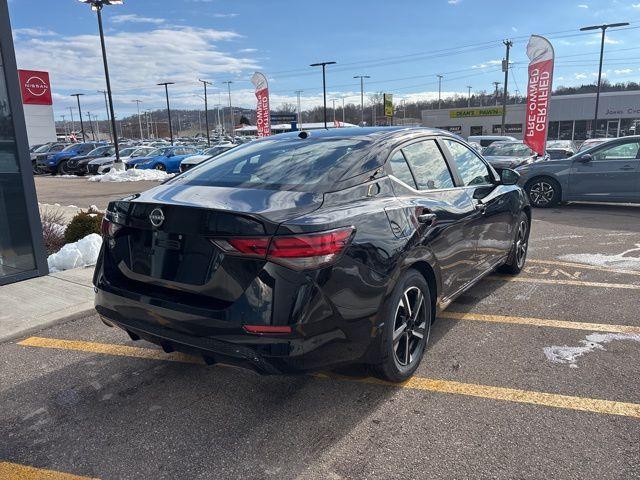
(428, 165)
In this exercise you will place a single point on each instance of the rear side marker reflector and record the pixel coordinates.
(269, 329)
(300, 251)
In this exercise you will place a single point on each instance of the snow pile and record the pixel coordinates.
(628, 260)
(82, 253)
(132, 175)
(55, 228)
(595, 341)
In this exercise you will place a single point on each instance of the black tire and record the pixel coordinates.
(161, 167)
(62, 168)
(518, 254)
(398, 359)
(543, 192)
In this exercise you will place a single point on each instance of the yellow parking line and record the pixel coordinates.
(546, 281)
(583, 266)
(14, 471)
(108, 349)
(415, 383)
(540, 322)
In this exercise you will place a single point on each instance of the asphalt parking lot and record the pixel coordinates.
(496, 396)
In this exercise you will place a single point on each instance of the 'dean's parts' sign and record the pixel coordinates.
(35, 87)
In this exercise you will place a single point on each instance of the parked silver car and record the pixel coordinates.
(609, 172)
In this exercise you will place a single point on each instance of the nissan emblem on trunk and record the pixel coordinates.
(156, 217)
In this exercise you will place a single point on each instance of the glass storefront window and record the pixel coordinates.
(16, 248)
(552, 132)
(580, 130)
(565, 130)
(629, 126)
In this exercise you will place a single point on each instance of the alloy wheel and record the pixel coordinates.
(410, 326)
(541, 193)
(521, 244)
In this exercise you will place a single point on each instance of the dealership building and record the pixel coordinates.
(570, 117)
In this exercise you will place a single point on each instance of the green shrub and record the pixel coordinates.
(83, 224)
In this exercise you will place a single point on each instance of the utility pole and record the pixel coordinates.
(505, 69)
(206, 110)
(233, 123)
(95, 117)
(93, 134)
(603, 28)
(73, 124)
(496, 84)
(440, 77)
(334, 110)
(469, 96)
(77, 95)
(166, 92)
(64, 126)
(106, 106)
(298, 92)
(324, 86)
(362, 77)
(343, 111)
(138, 102)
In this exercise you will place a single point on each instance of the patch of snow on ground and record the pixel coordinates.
(132, 175)
(56, 228)
(627, 260)
(595, 341)
(82, 253)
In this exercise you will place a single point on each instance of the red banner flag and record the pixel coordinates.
(541, 56)
(263, 115)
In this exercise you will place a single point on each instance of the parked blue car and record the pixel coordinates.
(56, 162)
(166, 159)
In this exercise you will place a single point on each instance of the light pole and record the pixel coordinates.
(96, 5)
(299, 116)
(206, 110)
(233, 122)
(324, 86)
(496, 85)
(106, 106)
(469, 96)
(333, 100)
(73, 123)
(440, 77)
(603, 28)
(166, 93)
(362, 77)
(78, 95)
(93, 134)
(138, 102)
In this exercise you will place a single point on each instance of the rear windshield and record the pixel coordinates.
(507, 150)
(280, 165)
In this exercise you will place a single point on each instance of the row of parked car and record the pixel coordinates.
(600, 170)
(96, 158)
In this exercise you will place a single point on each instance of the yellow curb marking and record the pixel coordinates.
(540, 322)
(415, 383)
(15, 471)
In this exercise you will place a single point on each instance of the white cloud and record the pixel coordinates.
(514, 29)
(623, 71)
(248, 50)
(580, 76)
(225, 15)
(453, 2)
(133, 18)
(596, 39)
(635, 5)
(136, 64)
(33, 32)
(489, 63)
(582, 5)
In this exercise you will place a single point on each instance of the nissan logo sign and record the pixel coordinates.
(156, 217)
(36, 86)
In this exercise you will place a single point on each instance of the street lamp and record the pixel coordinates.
(166, 93)
(603, 28)
(96, 5)
(233, 121)
(77, 95)
(138, 102)
(324, 86)
(206, 110)
(106, 106)
(362, 77)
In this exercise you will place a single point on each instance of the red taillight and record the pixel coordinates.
(108, 228)
(310, 250)
(266, 329)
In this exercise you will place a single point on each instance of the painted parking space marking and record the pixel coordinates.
(540, 322)
(549, 281)
(416, 383)
(108, 349)
(15, 471)
(582, 266)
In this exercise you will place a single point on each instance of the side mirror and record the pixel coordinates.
(509, 177)
(586, 158)
(569, 154)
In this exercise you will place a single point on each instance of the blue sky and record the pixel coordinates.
(402, 45)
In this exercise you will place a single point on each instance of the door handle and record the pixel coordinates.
(428, 218)
(628, 167)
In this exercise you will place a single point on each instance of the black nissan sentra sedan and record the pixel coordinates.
(309, 250)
